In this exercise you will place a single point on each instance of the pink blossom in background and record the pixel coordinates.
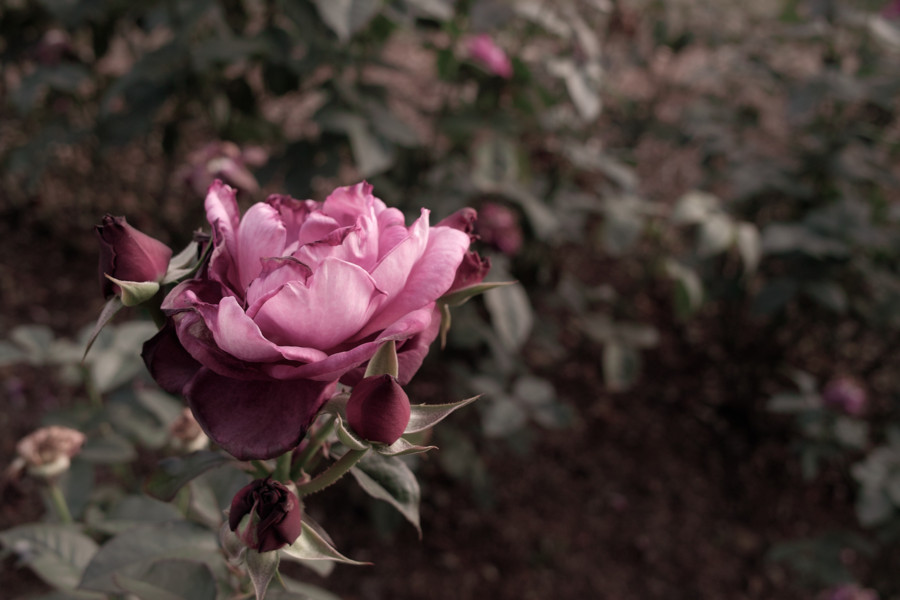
(498, 226)
(891, 10)
(848, 591)
(225, 161)
(298, 295)
(845, 394)
(483, 50)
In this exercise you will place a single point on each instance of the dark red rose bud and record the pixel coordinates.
(472, 270)
(275, 515)
(378, 409)
(129, 255)
(463, 220)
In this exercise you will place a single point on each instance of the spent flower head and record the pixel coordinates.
(48, 451)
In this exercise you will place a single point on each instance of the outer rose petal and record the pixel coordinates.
(223, 214)
(168, 362)
(255, 419)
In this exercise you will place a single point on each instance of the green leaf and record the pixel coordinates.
(134, 511)
(108, 448)
(175, 472)
(401, 447)
(424, 416)
(58, 554)
(35, 340)
(347, 17)
(182, 264)
(511, 315)
(621, 366)
(688, 288)
(312, 546)
(171, 580)
(384, 361)
(389, 479)
(10, 354)
(134, 553)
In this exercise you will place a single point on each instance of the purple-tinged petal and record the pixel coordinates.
(187, 293)
(260, 235)
(168, 362)
(462, 220)
(224, 216)
(255, 419)
(346, 204)
(236, 333)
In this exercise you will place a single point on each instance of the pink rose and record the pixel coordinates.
(296, 296)
(499, 227)
(483, 49)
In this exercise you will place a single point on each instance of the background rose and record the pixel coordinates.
(297, 295)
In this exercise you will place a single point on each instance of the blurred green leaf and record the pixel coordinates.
(347, 17)
(389, 479)
(58, 554)
(312, 546)
(175, 472)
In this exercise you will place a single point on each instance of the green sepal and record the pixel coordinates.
(347, 437)
(384, 361)
(135, 292)
(445, 323)
(463, 295)
(401, 447)
(234, 548)
(423, 416)
(312, 546)
(262, 567)
(112, 306)
(182, 264)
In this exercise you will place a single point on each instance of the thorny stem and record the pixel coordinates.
(315, 442)
(332, 473)
(282, 471)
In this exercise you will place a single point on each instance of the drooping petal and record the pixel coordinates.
(335, 303)
(168, 362)
(260, 235)
(255, 419)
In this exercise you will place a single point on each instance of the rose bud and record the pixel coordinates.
(127, 254)
(47, 452)
(275, 515)
(378, 409)
(846, 395)
(482, 49)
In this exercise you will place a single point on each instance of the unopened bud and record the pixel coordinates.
(378, 409)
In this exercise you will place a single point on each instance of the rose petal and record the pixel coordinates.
(336, 301)
(168, 362)
(428, 279)
(255, 419)
(261, 235)
(224, 216)
(275, 273)
(393, 269)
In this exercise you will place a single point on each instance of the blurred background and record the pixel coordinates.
(692, 391)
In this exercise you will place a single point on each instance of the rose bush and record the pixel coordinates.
(297, 295)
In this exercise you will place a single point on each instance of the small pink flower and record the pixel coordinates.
(226, 161)
(845, 394)
(483, 50)
(848, 591)
(891, 10)
(498, 226)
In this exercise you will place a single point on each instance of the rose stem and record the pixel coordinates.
(282, 471)
(332, 473)
(59, 503)
(315, 441)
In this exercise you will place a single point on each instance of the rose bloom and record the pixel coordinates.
(846, 395)
(297, 295)
(498, 226)
(483, 50)
(48, 451)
